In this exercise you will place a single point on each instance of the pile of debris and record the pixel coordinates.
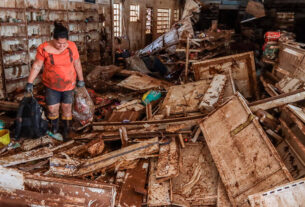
(211, 138)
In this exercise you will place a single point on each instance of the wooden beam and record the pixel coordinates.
(24, 157)
(181, 140)
(277, 101)
(132, 152)
(213, 94)
(8, 106)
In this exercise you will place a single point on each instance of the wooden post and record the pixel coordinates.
(187, 57)
(123, 136)
(112, 32)
(181, 140)
(149, 111)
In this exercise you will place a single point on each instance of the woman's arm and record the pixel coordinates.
(36, 67)
(79, 70)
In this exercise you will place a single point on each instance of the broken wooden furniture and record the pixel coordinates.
(241, 65)
(291, 61)
(49, 191)
(245, 158)
(184, 98)
(292, 147)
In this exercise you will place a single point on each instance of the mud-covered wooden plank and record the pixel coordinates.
(158, 192)
(132, 152)
(8, 106)
(279, 100)
(298, 112)
(58, 190)
(222, 197)
(37, 199)
(185, 98)
(197, 181)
(288, 195)
(168, 161)
(30, 144)
(24, 157)
(133, 185)
(213, 93)
(143, 82)
(247, 161)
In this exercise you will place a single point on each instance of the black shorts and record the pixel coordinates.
(55, 97)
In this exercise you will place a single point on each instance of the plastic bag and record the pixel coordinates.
(83, 106)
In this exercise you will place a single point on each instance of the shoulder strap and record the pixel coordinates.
(70, 54)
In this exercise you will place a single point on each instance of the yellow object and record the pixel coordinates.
(5, 136)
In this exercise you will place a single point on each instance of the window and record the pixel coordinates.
(176, 15)
(163, 20)
(134, 13)
(148, 20)
(117, 20)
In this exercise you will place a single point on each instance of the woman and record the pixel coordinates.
(60, 60)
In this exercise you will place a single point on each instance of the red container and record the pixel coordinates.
(272, 36)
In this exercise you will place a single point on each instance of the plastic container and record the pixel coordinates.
(150, 96)
(5, 136)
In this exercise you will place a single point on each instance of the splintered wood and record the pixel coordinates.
(213, 94)
(288, 195)
(133, 185)
(197, 181)
(129, 153)
(24, 157)
(159, 193)
(185, 98)
(247, 162)
(168, 161)
(37, 190)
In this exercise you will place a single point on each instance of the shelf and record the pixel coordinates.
(12, 37)
(12, 8)
(14, 65)
(77, 21)
(95, 31)
(39, 22)
(57, 10)
(90, 10)
(38, 36)
(77, 10)
(190, 50)
(12, 23)
(92, 22)
(77, 33)
(14, 52)
(16, 80)
(35, 9)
